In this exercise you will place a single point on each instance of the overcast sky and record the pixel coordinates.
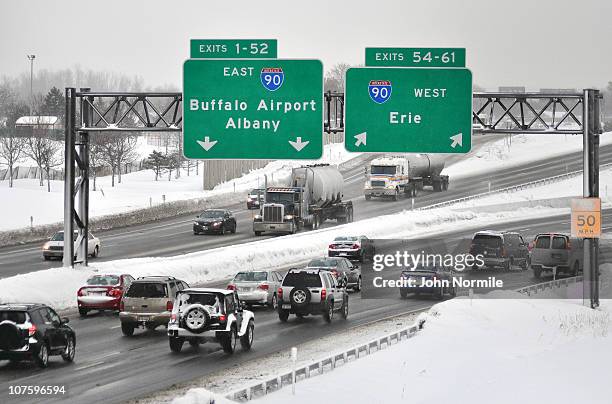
(536, 43)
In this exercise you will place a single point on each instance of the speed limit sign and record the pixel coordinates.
(586, 217)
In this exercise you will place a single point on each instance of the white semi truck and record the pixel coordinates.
(313, 196)
(392, 176)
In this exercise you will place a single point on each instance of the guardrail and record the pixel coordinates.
(540, 287)
(319, 366)
(514, 188)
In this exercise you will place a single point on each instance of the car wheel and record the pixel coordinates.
(283, 315)
(82, 312)
(127, 329)
(228, 342)
(176, 344)
(42, 356)
(274, 303)
(246, 341)
(345, 309)
(68, 354)
(329, 313)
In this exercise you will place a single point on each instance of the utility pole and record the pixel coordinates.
(31, 59)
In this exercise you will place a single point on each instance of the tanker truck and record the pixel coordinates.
(391, 176)
(313, 196)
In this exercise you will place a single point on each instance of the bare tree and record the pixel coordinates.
(51, 157)
(11, 150)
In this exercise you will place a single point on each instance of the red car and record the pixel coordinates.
(102, 292)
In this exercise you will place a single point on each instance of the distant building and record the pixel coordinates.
(38, 122)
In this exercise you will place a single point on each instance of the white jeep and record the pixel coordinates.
(200, 315)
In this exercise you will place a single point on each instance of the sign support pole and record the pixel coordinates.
(590, 189)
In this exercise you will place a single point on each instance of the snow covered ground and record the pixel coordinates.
(518, 149)
(481, 351)
(57, 286)
(137, 190)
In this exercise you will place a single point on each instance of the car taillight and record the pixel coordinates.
(231, 287)
(222, 318)
(169, 305)
(31, 330)
(355, 246)
(121, 306)
(80, 292)
(279, 293)
(323, 294)
(263, 286)
(114, 292)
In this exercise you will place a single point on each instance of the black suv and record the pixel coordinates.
(500, 249)
(34, 331)
(312, 291)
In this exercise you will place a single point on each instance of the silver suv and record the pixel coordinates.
(312, 291)
(200, 315)
(148, 303)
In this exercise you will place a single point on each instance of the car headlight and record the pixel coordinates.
(288, 217)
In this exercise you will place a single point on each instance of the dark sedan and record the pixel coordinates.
(216, 221)
(435, 281)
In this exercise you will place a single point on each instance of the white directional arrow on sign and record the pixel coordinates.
(298, 144)
(457, 140)
(207, 144)
(361, 138)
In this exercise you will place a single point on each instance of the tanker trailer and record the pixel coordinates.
(313, 196)
(394, 175)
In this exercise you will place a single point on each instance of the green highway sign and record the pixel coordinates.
(252, 109)
(233, 48)
(415, 57)
(408, 110)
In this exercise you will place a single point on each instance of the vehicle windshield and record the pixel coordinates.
(279, 197)
(17, 317)
(542, 242)
(488, 240)
(302, 280)
(147, 289)
(205, 299)
(59, 236)
(251, 276)
(211, 214)
(350, 238)
(323, 263)
(103, 280)
(388, 170)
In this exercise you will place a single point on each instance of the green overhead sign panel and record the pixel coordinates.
(233, 48)
(408, 110)
(415, 57)
(252, 109)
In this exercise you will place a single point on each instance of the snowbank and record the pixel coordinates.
(518, 150)
(137, 190)
(58, 286)
(481, 351)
